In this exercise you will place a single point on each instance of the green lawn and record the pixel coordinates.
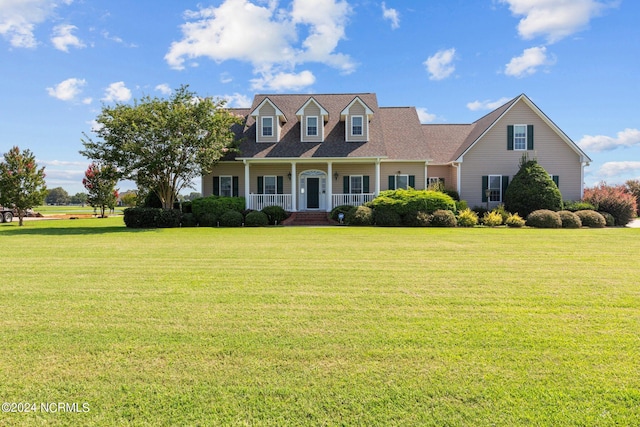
(48, 210)
(320, 326)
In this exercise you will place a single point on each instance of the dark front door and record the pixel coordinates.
(313, 193)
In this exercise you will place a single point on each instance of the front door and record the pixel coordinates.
(313, 193)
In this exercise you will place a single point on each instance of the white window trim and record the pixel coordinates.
(401, 174)
(499, 188)
(220, 184)
(361, 184)
(526, 129)
(317, 126)
(273, 125)
(361, 134)
(264, 184)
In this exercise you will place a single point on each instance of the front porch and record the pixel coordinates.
(285, 201)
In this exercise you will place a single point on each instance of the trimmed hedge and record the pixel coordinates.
(608, 218)
(418, 219)
(386, 217)
(409, 201)
(591, 219)
(256, 219)
(570, 219)
(544, 218)
(578, 206)
(362, 215)
(231, 218)
(341, 209)
(275, 214)
(443, 218)
(211, 208)
(188, 220)
(152, 218)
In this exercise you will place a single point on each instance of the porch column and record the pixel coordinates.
(329, 186)
(247, 198)
(377, 177)
(426, 172)
(294, 188)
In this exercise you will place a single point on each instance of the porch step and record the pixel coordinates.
(308, 218)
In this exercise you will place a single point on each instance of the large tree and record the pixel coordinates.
(57, 196)
(22, 184)
(163, 144)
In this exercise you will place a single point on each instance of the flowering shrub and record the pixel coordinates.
(615, 200)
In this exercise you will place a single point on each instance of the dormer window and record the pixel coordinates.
(267, 126)
(312, 126)
(520, 137)
(356, 125)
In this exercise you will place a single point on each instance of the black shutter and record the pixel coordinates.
(279, 184)
(505, 184)
(345, 184)
(529, 137)
(365, 184)
(412, 181)
(442, 181)
(260, 185)
(235, 192)
(556, 180)
(509, 137)
(392, 182)
(216, 185)
(485, 186)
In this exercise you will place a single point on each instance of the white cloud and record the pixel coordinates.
(164, 89)
(117, 92)
(67, 90)
(425, 116)
(283, 81)
(237, 100)
(392, 15)
(19, 18)
(62, 38)
(529, 62)
(615, 169)
(554, 19)
(627, 138)
(487, 104)
(265, 36)
(440, 65)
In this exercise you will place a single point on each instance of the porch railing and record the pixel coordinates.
(259, 201)
(352, 199)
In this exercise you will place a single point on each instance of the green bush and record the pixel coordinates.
(168, 218)
(591, 219)
(386, 217)
(275, 214)
(443, 218)
(500, 209)
(608, 218)
(467, 218)
(362, 215)
(342, 209)
(207, 220)
(515, 221)
(417, 219)
(532, 189)
(461, 205)
(409, 201)
(231, 218)
(492, 219)
(570, 219)
(188, 220)
(215, 206)
(141, 217)
(578, 206)
(615, 200)
(544, 218)
(256, 219)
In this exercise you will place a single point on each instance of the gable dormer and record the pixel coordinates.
(356, 117)
(269, 121)
(312, 117)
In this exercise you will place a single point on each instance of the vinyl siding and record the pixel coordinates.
(311, 110)
(490, 156)
(357, 109)
(269, 170)
(224, 169)
(267, 110)
(406, 168)
(444, 171)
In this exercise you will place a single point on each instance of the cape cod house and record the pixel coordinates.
(315, 152)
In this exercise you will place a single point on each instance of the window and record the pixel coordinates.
(520, 137)
(495, 188)
(270, 185)
(226, 186)
(356, 125)
(267, 126)
(312, 126)
(355, 186)
(402, 181)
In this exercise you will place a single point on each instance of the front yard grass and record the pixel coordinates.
(320, 326)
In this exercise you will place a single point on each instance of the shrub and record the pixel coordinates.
(216, 206)
(461, 205)
(515, 221)
(544, 218)
(342, 209)
(417, 219)
(141, 217)
(532, 189)
(168, 218)
(578, 206)
(467, 218)
(633, 187)
(443, 218)
(614, 200)
(609, 220)
(362, 215)
(275, 214)
(256, 219)
(570, 219)
(386, 217)
(492, 219)
(409, 201)
(188, 220)
(207, 220)
(231, 218)
(500, 209)
(591, 219)
(480, 211)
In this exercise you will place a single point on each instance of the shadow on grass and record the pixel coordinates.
(68, 231)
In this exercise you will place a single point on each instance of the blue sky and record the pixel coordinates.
(455, 60)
